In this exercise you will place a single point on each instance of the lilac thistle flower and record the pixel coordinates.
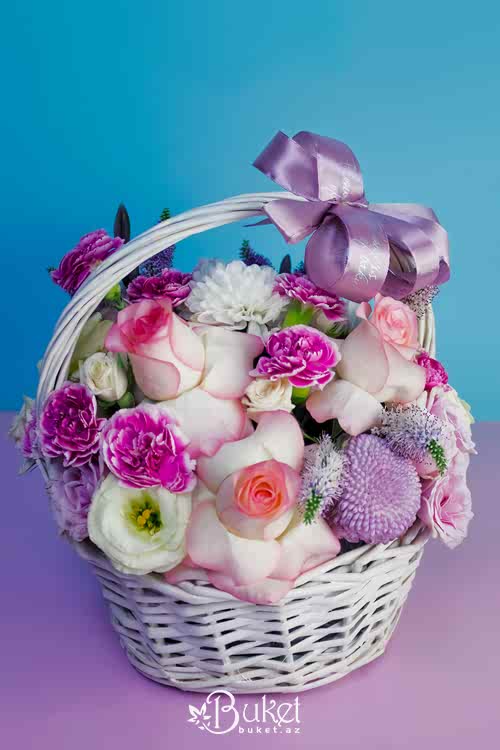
(251, 258)
(302, 289)
(380, 493)
(170, 284)
(435, 374)
(409, 430)
(69, 427)
(144, 447)
(421, 300)
(302, 354)
(78, 264)
(321, 478)
(71, 490)
(158, 263)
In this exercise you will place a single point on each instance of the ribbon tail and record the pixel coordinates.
(295, 219)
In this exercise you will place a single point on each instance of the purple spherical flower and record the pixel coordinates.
(68, 425)
(435, 374)
(302, 354)
(170, 284)
(299, 287)
(380, 493)
(144, 447)
(79, 263)
(71, 490)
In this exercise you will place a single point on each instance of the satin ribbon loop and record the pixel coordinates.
(356, 249)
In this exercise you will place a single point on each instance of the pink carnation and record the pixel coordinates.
(68, 426)
(71, 490)
(302, 354)
(144, 447)
(447, 504)
(299, 287)
(78, 264)
(170, 284)
(435, 374)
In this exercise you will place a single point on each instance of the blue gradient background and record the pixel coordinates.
(164, 103)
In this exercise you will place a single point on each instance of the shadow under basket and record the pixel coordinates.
(191, 636)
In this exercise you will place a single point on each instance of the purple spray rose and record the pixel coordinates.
(435, 374)
(299, 287)
(170, 284)
(380, 493)
(78, 264)
(71, 490)
(302, 354)
(69, 427)
(144, 447)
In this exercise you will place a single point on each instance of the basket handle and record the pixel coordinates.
(55, 363)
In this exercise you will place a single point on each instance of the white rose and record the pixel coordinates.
(140, 530)
(105, 376)
(266, 395)
(91, 339)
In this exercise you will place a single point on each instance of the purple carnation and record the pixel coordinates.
(299, 287)
(71, 490)
(302, 354)
(380, 493)
(144, 447)
(170, 284)
(435, 374)
(78, 264)
(68, 426)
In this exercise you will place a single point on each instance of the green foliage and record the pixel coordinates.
(311, 508)
(437, 452)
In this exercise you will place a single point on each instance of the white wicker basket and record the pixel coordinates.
(192, 636)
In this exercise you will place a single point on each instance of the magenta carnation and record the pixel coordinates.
(71, 490)
(435, 374)
(302, 354)
(299, 287)
(144, 447)
(170, 284)
(78, 264)
(68, 426)
(380, 493)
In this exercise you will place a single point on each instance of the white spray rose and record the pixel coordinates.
(105, 376)
(267, 395)
(140, 530)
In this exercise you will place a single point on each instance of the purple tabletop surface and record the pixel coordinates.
(66, 684)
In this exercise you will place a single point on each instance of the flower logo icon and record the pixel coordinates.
(199, 717)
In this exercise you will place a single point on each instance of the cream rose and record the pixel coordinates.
(105, 376)
(140, 530)
(267, 395)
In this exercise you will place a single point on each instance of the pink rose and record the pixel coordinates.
(447, 504)
(444, 403)
(396, 323)
(199, 373)
(245, 535)
(165, 353)
(375, 368)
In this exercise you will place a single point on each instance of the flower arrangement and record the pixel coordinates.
(240, 425)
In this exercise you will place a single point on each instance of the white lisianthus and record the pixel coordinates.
(267, 395)
(140, 530)
(105, 376)
(91, 339)
(235, 295)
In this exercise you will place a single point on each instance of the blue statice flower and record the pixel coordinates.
(251, 258)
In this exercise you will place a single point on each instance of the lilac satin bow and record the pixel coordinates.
(356, 249)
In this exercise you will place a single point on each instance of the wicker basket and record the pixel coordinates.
(192, 636)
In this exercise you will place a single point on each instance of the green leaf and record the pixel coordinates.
(300, 395)
(298, 314)
(127, 401)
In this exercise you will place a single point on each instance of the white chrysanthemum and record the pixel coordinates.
(235, 295)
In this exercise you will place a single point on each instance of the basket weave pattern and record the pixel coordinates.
(192, 636)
